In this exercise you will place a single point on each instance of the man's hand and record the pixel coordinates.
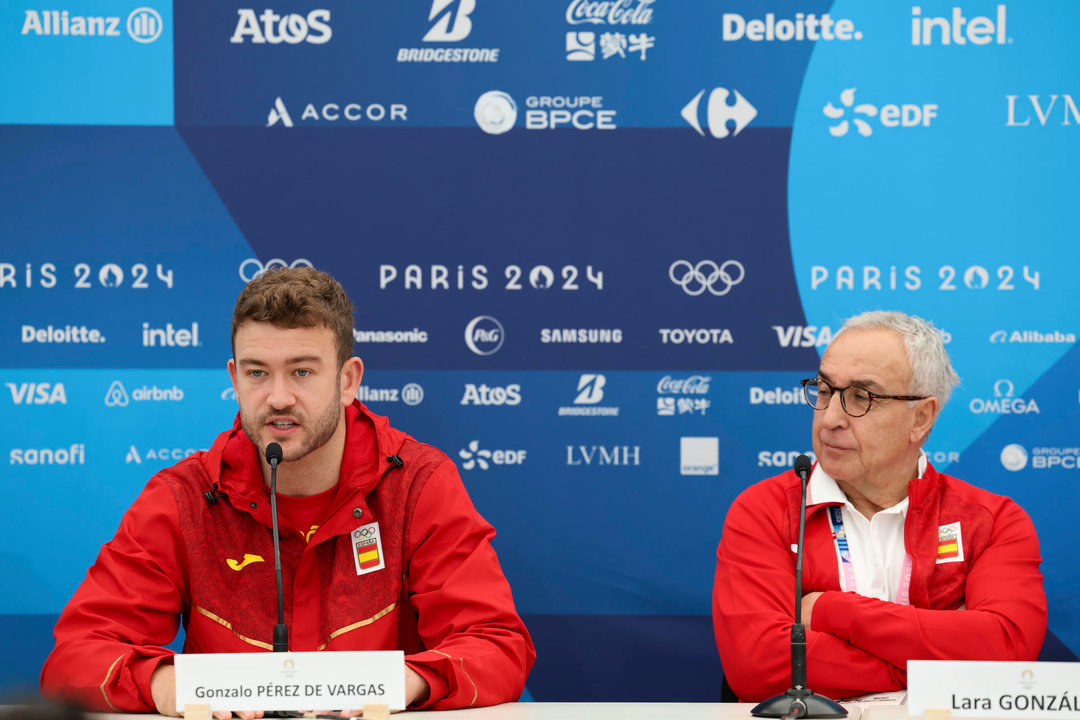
(163, 690)
(416, 687)
(808, 608)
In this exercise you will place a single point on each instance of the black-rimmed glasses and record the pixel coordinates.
(855, 401)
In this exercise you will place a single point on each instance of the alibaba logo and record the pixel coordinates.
(248, 559)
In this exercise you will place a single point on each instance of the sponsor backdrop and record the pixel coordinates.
(593, 248)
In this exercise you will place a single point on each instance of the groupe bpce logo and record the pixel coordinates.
(696, 279)
(495, 112)
(253, 267)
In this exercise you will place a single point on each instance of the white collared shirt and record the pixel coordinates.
(876, 544)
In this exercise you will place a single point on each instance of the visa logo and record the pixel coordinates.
(37, 393)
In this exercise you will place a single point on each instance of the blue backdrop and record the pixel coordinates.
(606, 237)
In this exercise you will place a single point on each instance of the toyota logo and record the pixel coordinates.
(706, 275)
(253, 267)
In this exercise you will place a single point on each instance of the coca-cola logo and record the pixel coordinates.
(693, 385)
(609, 12)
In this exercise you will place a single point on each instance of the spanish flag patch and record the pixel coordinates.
(367, 549)
(950, 546)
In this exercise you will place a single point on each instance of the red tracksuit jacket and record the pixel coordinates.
(991, 606)
(442, 597)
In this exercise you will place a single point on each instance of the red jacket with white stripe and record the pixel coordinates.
(441, 597)
(990, 606)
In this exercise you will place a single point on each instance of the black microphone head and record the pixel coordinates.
(803, 466)
(273, 453)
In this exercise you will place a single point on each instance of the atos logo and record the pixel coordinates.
(890, 116)
(719, 113)
(37, 393)
(1003, 402)
(292, 29)
(484, 335)
(475, 456)
(486, 395)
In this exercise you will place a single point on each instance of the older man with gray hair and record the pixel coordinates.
(902, 562)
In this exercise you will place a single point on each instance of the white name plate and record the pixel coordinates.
(291, 680)
(995, 689)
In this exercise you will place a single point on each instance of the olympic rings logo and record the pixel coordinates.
(366, 532)
(259, 268)
(696, 279)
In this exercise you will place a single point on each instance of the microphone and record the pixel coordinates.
(281, 633)
(799, 700)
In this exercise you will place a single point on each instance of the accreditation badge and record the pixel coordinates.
(367, 549)
(950, 545)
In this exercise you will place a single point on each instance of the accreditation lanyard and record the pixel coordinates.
(836, 517)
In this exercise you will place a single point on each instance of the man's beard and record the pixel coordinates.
(316, 432)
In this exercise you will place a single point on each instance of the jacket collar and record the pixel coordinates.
(233, 461)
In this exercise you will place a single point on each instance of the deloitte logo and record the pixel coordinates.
(1014, 457)
(495, 112)
(719, 112)
(484, 335)
(891, 115)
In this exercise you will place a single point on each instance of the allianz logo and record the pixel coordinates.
(117, 394)
(37, 393)
(776, 396)
(803, 27)
(1003, 402)
(955, 29)
(293, 29)
(410, 394)
(143, 24)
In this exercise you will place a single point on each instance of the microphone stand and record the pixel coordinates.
(281, 632)
(799, 700)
